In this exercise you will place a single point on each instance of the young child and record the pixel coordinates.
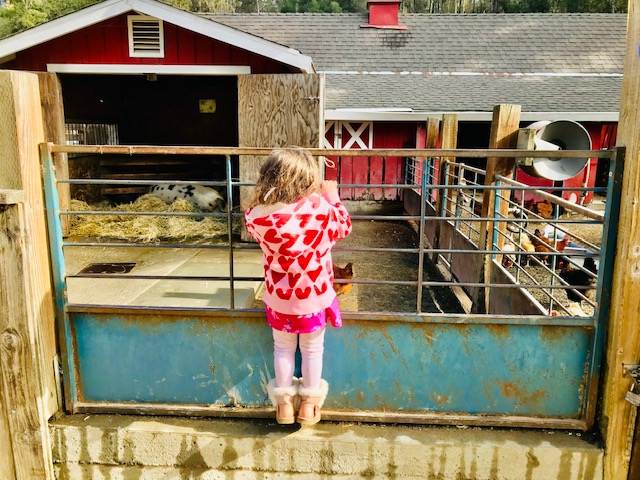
(296, 219)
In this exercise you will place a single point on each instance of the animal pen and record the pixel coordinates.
(451, 319)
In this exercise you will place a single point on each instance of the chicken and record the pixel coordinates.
(543, 244)
(345, 273)
(573, 309)
(544, 209)
(579, 278)
(525, 245)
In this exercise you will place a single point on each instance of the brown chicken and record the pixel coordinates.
(543, 244)
(345, 273)
(544, 209)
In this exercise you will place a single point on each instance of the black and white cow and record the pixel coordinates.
(204, 198)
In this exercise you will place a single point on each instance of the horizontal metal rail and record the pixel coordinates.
(453, 211)
(380, 152)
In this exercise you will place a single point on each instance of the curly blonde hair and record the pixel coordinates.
(287, 175)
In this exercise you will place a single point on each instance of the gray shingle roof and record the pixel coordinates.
(477, 94)
(499, 45)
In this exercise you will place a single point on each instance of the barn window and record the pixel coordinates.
(146, 36)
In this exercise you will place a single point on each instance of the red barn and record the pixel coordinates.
(163, 76)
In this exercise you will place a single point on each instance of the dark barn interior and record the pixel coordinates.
(165, 110)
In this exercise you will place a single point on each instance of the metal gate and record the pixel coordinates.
(525, 361)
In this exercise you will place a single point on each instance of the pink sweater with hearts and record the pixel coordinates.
(296, 242)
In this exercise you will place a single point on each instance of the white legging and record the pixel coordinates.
(311, 349)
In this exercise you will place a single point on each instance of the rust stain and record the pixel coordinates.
(510, 390)
(501, 331)
(398, 386)
(552, 334)
(390, 341)
(466, 347)
(439, 398)
(212, 367)
(360, 396)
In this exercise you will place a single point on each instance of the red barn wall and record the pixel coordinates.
(107, 43)
(374, 170)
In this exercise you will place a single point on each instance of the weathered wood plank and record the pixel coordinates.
(20, 374)
(623, 336)
(504, 134)
(54, 131)
(449, 140)
(10, 197)
(277, 111)
(6, 448)
(27, 327)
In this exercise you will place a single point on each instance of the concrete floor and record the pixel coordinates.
(160, 262)
(152, 448)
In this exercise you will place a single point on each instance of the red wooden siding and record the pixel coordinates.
(393, 135)
(372, 170)
(107, 43)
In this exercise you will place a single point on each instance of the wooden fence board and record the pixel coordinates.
(27, 323)
(277, 111)
(623, 336)
(20, 374)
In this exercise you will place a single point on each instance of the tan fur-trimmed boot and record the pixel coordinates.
(311, 400)
(284, 399)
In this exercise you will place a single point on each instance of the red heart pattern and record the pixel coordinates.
(304, 219)
(281, 219)
(310, 236)
(263, 221)
(284, 294)
(285, 262)
(293, 279)
(295, 235)
(313, 274)
(272, 236)
(277, 276)
(322, 289)
(303, 260)
(303, 293)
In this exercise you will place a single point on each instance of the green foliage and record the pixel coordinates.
(18, 15)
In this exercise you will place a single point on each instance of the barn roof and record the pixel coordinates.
(568, 65)
(112, 8)
(555, 65)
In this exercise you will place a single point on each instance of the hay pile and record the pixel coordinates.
(146, 228)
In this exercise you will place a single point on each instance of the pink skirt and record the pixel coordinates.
(305, 323)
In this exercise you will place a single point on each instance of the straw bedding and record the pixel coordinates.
(147, 228)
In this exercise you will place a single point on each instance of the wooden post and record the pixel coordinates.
(449, 140)
(504, 134)
(53, 117)
(431, 140)
(27, 322)
(623, 336)
(28, 452)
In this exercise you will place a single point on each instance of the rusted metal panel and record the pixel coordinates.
(385, 366)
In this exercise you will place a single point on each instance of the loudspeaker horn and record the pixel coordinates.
(558, 135)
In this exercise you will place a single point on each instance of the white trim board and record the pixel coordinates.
(403, 116)
(112, 8)
(115, 69)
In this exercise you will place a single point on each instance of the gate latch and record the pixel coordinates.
(633, 395)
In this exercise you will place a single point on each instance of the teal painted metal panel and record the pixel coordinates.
(535, 370)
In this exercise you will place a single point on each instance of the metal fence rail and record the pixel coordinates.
(456, 201)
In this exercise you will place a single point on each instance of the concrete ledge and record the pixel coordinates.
(123, 447)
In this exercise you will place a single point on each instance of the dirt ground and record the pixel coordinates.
(392, 267)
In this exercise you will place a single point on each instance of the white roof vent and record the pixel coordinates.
(146, 36)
